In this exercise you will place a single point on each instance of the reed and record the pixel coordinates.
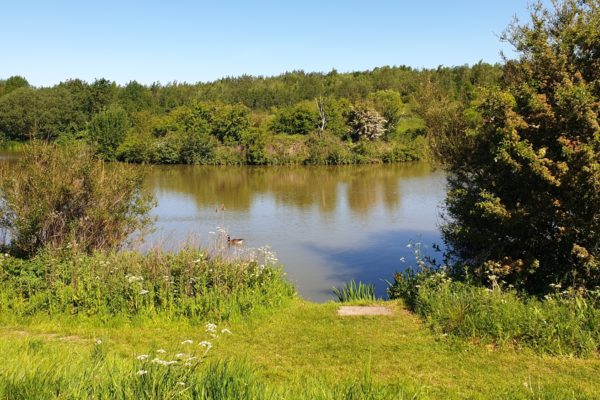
(355, 292)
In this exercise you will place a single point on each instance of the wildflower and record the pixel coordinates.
(210, 327)
(187, 341)
(161, 351)
(142, 372)
(133, 278)
(98, 342)
(206, 344)
(188, 364)
(142, 357)
(181, 383)
(144, 291)
(179, 355)
(225, 330)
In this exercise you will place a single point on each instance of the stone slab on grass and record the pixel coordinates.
(363, 310)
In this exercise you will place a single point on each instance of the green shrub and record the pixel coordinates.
(108, 130)
(167, 149)
(327, 149)
(62, 195)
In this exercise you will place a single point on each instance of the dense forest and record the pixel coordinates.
(294, 118)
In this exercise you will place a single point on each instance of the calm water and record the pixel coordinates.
(327, 224)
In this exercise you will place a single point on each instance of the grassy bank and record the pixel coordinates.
(189, 325)
(124, 286)
(564, 323)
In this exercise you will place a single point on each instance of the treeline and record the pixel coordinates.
(297, 117)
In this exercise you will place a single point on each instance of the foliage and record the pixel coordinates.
(13, 83)
(355, 292)
(167, 124)
(198, 148)
(390, 106)
(300, 119)
(45, 114)
(108, 130)
(58, 196)
(565, 323)
(524, 186)
(366, 123)
(187, 284)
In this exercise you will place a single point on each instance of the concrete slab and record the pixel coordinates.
(363, 310)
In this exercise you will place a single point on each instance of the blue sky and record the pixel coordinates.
(50, 41)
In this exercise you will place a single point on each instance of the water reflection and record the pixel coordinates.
(301, 187)
(327, 224)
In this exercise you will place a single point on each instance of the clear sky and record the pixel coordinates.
(50, 41)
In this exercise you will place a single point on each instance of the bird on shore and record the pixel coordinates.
(234, 241)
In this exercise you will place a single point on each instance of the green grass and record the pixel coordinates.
(72, 326)
(565, 323)
(303, 350)
(119, 286)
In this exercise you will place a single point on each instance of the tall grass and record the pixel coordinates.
(565, 323)
(187, 284)
(355, 292)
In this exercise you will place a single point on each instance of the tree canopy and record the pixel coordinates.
(524, 174)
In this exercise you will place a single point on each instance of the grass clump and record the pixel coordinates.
(355, 292)
(564, 323)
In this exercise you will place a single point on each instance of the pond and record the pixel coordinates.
(327, 225)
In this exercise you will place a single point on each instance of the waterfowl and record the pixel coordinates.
(234, 241)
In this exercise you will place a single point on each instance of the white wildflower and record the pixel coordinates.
(225, 330)
(133, 278)
(206, 344)
(142, 357)
(181, 383)
(98, 342)
(180, 355)
(144, 291)
(142, 372)
(187, 341)
(210, 327)
(161, 351)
